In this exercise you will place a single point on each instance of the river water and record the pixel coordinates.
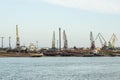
(60, 68)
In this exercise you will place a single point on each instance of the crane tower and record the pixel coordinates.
(59, 39)
(53, 40)
(17, 38)
(92, 47)
(65, 40)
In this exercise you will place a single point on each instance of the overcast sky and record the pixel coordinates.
(37, 19)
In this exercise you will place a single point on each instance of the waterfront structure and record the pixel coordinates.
(53, 40)
(65, 41)
(111, 43)
(102, 41)
(59, 39)
(17, 39)
(92, 47)
(2, 42)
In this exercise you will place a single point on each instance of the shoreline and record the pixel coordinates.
(14, 54)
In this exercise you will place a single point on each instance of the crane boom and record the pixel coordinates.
(102, 40)
(112, 41)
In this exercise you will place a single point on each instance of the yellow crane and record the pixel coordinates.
(17, 38)
(112, 41)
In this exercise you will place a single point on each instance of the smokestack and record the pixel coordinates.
(59, 39)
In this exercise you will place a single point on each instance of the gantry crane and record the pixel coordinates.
(102, 41)
(111, 43)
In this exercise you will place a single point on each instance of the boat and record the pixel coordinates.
(36, 54)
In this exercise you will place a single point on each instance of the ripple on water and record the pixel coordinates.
(60, 68)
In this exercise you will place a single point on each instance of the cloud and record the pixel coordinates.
(102, 6)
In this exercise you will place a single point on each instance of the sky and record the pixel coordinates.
(37, 19)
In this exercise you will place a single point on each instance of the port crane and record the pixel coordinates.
(53, 40)
(111, 43)
(18, 47)
(92, 47)
(102, 41)
(17, 38)
(65, 40)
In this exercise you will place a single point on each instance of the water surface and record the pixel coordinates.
(60, 68)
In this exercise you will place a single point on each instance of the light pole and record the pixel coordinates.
(2, 42)
(9, 42)
(37, 44)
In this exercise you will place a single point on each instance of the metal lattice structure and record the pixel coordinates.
(112, 41)
(102, 40)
